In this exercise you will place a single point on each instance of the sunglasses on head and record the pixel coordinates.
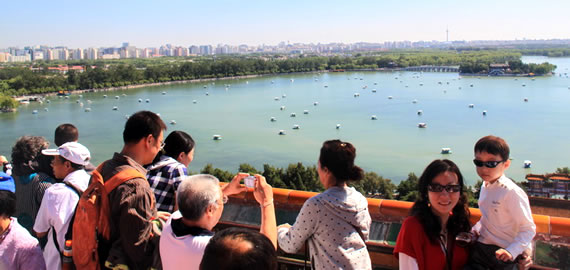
(488, 164)
(439, 188)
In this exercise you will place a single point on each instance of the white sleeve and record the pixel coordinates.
(292, 239)
(42, 223)
(520, 211)
(406, 262)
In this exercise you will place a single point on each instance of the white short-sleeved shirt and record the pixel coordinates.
(56, 210)
(185, 250)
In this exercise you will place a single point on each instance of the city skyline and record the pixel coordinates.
(152, 24)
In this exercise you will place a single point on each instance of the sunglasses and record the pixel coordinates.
(488, 164)
(440, 188)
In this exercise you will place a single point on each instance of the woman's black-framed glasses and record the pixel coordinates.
(488, 164)
(439, 188)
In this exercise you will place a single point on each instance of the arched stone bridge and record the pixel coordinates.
(433, 68)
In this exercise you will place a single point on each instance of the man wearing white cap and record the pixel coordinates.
(59, 201)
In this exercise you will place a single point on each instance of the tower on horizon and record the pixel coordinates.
(447, 34)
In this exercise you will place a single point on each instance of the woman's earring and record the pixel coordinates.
(429, 205)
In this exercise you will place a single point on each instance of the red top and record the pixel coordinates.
(413, 241)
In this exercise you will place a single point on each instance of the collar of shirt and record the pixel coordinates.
(78, 178)
(180, 229)
(7, 231)
(497, 183)
(123, 159)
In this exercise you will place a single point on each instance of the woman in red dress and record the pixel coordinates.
(427, 236)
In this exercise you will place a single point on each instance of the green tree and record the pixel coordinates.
(7, 103)
(224, 176)
(408, 189)
(246, 168)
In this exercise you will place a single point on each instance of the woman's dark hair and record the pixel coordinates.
(27, 148)
(338, 158)
(178, 142)
(224, 251)
(459, 219)
(7, 203)
(27, 156)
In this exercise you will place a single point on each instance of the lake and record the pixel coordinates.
(391, 146)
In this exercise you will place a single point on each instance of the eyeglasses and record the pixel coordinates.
(488, 164)
(440, 188)
(162, 145)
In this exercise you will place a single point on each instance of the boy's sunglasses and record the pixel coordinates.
(440, 188)
(488, 164)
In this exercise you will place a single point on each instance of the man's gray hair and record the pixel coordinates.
(195, 193)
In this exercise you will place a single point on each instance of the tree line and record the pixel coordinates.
(21, 80)
(299, 177)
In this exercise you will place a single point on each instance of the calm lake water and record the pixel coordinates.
(392, 145)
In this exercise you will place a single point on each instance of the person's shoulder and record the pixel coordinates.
(510, 185)
(25, 239)
(54, 189)
(316, 200)
(411, 221)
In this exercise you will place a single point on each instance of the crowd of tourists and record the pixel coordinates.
(141, 209)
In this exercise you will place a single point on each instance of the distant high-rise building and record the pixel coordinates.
(92, 53)
(194, 50)
(4, 57)
(77, 54)
(206, 49)
(38, 55)
(125, 44)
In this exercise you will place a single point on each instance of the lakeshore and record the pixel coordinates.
(391, 146)
(135, 86)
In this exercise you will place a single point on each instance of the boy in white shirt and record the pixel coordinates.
(59, 201)
(506, 228)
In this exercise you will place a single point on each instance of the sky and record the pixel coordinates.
(145, 23)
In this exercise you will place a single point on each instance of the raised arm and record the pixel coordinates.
(263, 194)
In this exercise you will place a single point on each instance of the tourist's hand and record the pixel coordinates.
(234, 187)
(163, 215)
(525, 260)
(262, 191)
(503, 255)
(286, 226)
(3, 160)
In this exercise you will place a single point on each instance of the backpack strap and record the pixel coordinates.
(121, 177)
(74, 188)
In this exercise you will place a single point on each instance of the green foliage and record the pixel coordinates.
(375, 186)
(246, 168)
(563, 170)
(20, 80)
(7, 103)
(408, 189)
(473, 193)
(222, 175)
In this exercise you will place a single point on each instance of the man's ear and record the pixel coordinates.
(148, 140)
(210, 210)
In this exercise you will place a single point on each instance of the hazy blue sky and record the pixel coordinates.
(146, 23)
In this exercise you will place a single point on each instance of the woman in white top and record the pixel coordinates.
(336, 222)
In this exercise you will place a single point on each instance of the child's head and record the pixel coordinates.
(491, 157)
